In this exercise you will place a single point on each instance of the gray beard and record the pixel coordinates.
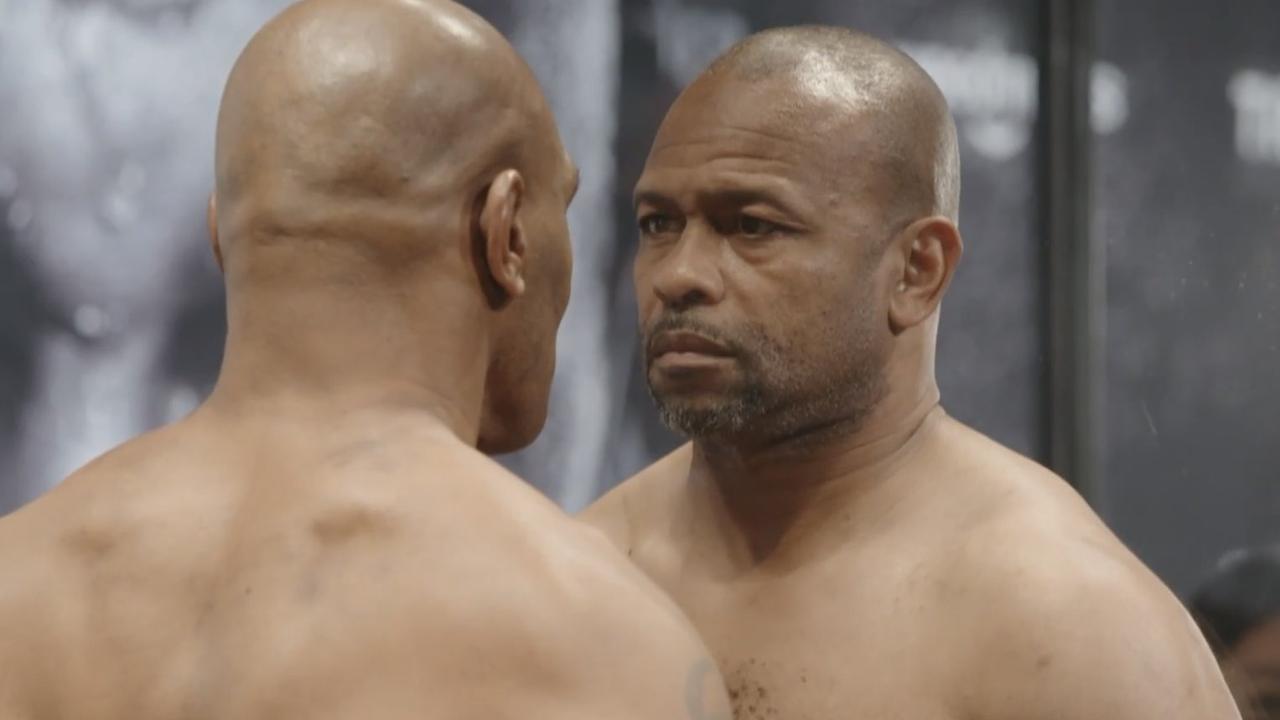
(783, 410)
(781, 393)
(727, 418)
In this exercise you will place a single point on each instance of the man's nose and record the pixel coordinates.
(690, 274)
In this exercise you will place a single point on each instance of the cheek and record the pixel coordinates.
(645, 299)
(558, 264)
(815, 311)
(786, 292)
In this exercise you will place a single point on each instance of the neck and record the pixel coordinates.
(324, 351)
(767, 497)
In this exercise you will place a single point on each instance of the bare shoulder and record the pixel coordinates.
(638, 501)
(558, 597)
(37, 589)
(624, 641)
(19, 615)
(423, 579)
(1062, 619)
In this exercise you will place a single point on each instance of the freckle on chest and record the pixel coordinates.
(748, 693)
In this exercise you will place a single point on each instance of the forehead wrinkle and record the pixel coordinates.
(803, 167)
(816, 114)
(782, 154)
(711, 134)
(686, 161)
(709, 182)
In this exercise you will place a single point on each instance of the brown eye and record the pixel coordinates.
(755, 227)
(656, 224)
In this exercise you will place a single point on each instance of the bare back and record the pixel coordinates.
(237, 568)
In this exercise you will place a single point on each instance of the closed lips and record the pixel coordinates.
(685, 342)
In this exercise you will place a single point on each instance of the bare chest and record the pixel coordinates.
(820, 648)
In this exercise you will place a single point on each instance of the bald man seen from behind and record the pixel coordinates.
(845, 548)
(322, 539)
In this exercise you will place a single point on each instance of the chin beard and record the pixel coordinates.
(751, 411)
(777, 394)
(729, 416)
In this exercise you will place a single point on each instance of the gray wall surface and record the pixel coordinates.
(1188, 201)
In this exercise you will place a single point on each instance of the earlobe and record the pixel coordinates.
(931, 250)
(213, 231)
(505, 248)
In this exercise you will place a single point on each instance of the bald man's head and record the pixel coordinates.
(400, 152)
(855, 73)
(798, 208)
(374, 100)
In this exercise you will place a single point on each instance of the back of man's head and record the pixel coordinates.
(397, 155)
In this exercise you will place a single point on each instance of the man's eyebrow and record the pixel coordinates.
(778, 197)
(651, 197)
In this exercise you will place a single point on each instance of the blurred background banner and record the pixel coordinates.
(1187, 199)
(111, 318)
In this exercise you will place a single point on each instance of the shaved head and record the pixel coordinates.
(797, 214)
(354, 118)
(390, 178)
(913, 135)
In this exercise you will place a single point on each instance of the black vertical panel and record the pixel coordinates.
(1076, 264)
(983, 54)
(1188, 203)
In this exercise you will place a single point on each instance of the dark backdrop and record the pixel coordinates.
(1187, 199)
(105, 147)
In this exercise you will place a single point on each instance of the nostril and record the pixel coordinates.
(691, 298)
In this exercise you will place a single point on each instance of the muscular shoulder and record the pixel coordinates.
(635, 505)
(621, 641)
(557, 615)
(37, 589)
(1060, 619)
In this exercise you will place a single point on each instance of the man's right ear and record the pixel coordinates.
(502, 248)
(213, 230)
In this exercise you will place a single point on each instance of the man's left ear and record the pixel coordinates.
(930, 250)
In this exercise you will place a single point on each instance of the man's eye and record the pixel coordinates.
(656, 224)
(755, 227)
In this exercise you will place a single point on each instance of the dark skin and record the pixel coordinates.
(376, 141)
(846, 548)
(1252, 668)
(322, 538)
(775, 232)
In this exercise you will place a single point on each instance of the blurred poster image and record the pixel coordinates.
(111, 308)
(112, 320)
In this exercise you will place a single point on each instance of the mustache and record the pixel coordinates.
(674, 322)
